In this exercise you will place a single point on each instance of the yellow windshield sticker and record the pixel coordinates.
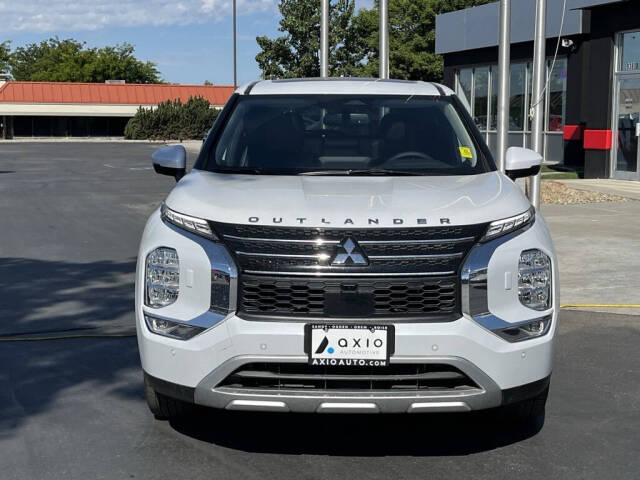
(466, 152)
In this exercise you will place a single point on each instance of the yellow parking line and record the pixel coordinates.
(597, 305)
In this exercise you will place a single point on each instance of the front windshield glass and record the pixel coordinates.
(346, 135)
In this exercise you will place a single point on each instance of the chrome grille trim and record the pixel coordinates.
(349, 274)
(415, 257)
(324, 256)
(282, 255)
(322, 241)
(416, 242)
(319, 241)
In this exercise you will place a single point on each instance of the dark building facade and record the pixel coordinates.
(62, 109)
(592, 99)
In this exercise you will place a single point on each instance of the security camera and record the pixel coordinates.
(567, 42)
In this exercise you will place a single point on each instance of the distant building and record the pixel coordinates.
(592, 103)
(57, 109)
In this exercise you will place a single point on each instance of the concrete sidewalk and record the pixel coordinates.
(622, 188)
(598, 247)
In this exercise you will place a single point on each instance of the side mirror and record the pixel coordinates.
(171, 160)
(522, 162)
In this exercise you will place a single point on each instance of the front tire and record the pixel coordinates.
(163, 407)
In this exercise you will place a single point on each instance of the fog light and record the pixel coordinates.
(535, 328)
(534, 280)
(171, 329)
(162, 277)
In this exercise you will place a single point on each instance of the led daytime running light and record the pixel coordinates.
(192, 224)
(507, 225)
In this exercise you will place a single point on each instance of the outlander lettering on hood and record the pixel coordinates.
(349, 221)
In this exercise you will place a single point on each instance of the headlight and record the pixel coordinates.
(192, 224)
(526, 331)
(168, 328)
(534, 280)
(507, 225)
(162, 277)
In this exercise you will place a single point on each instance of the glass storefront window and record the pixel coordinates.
(517, 84)
(495, 86)
(464, 87)
(478, 89)
(630, 51)
(481, 94)
(557, 95)
(628, 118)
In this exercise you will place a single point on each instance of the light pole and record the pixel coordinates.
(537, 102)
(324, 38)
(235, 51)
(384, 39)
(503, 90)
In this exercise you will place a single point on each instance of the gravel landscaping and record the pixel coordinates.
(557, 193)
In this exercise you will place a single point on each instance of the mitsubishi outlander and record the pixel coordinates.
(346, 246)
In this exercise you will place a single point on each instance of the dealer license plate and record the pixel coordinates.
(349, 345)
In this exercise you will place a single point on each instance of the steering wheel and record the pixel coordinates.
(405, 155)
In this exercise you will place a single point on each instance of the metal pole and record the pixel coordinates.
(324, 39)
(503, 90)
(235, 50)
(384, 39)
(537, 100)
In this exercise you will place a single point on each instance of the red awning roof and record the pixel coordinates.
(113, 94)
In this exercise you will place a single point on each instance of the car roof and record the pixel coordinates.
(343, 86)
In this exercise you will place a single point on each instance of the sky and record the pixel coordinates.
(189, 40)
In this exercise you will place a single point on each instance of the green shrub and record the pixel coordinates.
(172, 120)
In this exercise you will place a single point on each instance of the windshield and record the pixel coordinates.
(346, 135)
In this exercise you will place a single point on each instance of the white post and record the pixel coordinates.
(384, 39)
(537, 100)
(235, 49)
(324, 39)
(503, 90)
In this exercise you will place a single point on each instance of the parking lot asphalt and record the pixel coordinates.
(71, 218)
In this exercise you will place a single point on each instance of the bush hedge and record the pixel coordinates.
(172, 120)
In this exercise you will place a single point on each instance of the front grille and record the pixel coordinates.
(299, 376)
(390, 251)
(406, 272)
(349, 298)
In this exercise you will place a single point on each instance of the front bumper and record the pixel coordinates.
(321, 401)
(200, 365)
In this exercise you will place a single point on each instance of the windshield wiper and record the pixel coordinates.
(364, 172)
(240, 171)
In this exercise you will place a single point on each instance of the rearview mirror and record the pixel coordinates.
(171, 160)
(522, 162)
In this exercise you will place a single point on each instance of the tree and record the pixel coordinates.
(354, 39)
(172, 120)
(4, 57)
(412, 37)
(296, 54)
(69, 60)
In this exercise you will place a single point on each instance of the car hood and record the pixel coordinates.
(342, 201)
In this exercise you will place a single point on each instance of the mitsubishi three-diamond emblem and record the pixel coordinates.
(348, 252)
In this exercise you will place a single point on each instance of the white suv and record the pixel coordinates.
(346, 245)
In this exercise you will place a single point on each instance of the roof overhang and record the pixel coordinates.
(68, 109)
(478, 27)
(577, 4)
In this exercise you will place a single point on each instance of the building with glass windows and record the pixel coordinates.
(592, 99)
